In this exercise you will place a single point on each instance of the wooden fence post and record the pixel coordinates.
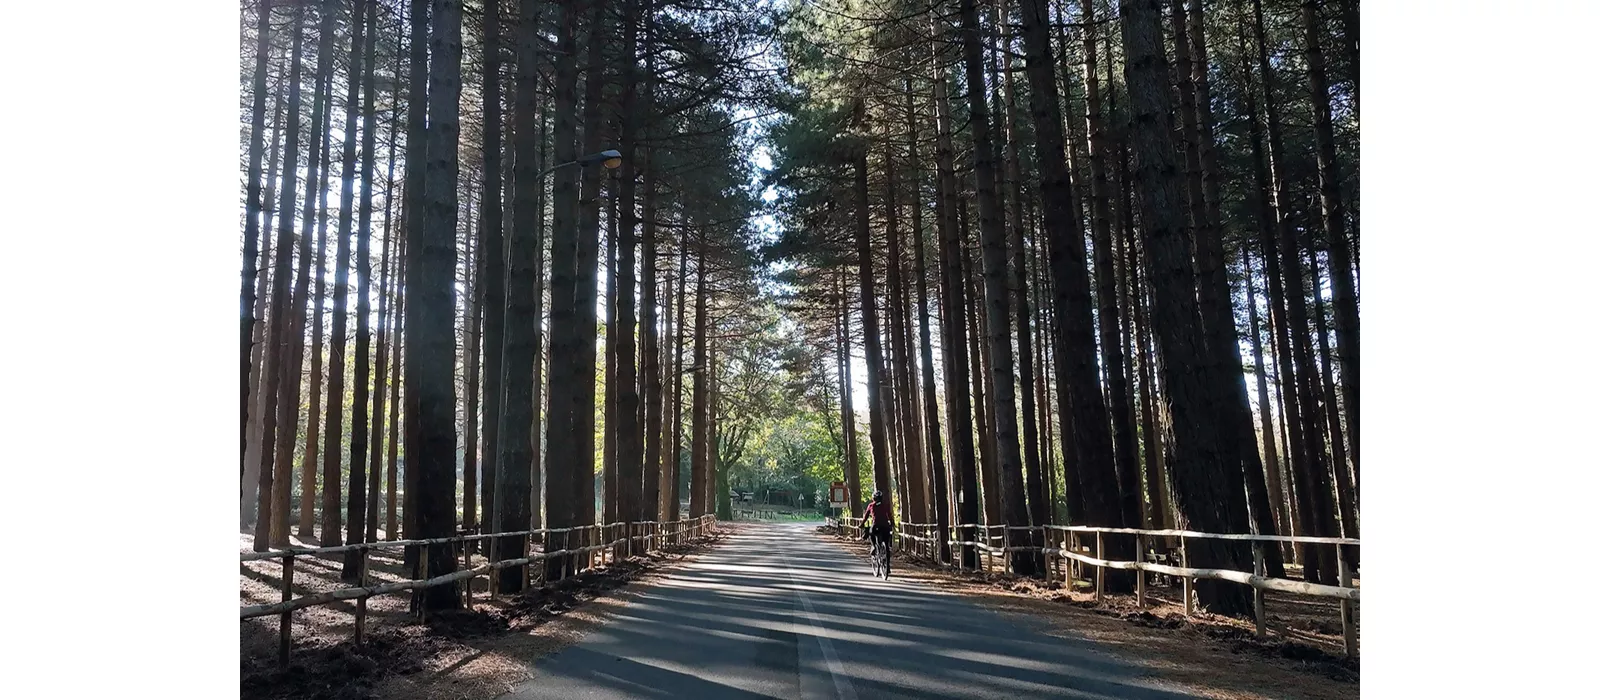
(422, 596)
(1260, 595)
(1045, 552)
(1138, 558)
(283, 620)
(1005, 547)
(361, 603)
(1072, 564)
(494, 574)
(1099, 570)
(1346, 608)
(1188, 581)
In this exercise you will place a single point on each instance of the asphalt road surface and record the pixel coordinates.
(777, 612)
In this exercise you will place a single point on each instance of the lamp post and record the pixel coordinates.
(610, 158)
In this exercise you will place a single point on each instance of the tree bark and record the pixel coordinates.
(1312, 490)
(998, 329)
(1037, 509)
(492, 225)
(430, 351)
(293, 333)
(630, 448)
(1206, 465)
(698, 448)
(1346, 322)
(877, 405)
(360, 520)
(283, 252)
(940, 505)
(333, 429)
(252, 223)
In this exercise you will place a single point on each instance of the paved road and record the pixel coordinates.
(776, 612)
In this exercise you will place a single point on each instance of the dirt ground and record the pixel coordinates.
(1209, 655)
(474, 653)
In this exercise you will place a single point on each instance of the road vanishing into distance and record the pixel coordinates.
(776, 611)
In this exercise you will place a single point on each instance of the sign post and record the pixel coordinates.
(837, 498)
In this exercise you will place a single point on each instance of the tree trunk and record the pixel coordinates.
(877, 404)
(1348, 516)
(333, 429)
(430, 351)
(250, 468)
(1268, 432)
(1121, 451)
(980, 375)
(252, 223)
(291, 324)
(561, 449)
(1037, 509)
(676, 475)
(361, 521)
(309, 455)
(995, 275)
(583, 361)
(650, 352)
(516, 442)
(1216, 297)
(953, 312)
(847, 409)
(1312, 493)
(492, 226)
(628, 431)
(930, 401)
(472, 345)
(1206, 465)
(1346, 322)
(914, 486)
(700, 410)
(391, 509)
(608, 433)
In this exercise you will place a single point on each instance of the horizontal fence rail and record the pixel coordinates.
(617, 539)
(1064, 548)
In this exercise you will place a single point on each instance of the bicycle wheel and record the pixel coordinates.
(886, 562)
(877, 567)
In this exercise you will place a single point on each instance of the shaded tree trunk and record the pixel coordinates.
(430, 351)
(698, 448)
(492, 225)
(953, 323)
(360, 519)
(877, 404)
(940, 505)
(1206, 465)
(1312, 490)
(998, 328)
(847, 409)
(1346, 323)
(1121, 451)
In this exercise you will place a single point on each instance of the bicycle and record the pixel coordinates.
(880, 558)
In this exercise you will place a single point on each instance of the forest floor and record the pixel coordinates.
(474, 653)
(1302, 657)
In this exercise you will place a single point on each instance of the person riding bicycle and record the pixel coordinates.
(878, 512)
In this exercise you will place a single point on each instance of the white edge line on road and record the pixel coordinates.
(841, 682)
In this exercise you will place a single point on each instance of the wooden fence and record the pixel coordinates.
(611, 541)
(1065, 548)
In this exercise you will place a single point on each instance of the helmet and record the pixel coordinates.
(877, 496)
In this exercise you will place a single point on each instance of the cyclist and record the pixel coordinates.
(878, 513)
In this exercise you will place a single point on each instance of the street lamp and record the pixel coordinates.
(610, 158)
